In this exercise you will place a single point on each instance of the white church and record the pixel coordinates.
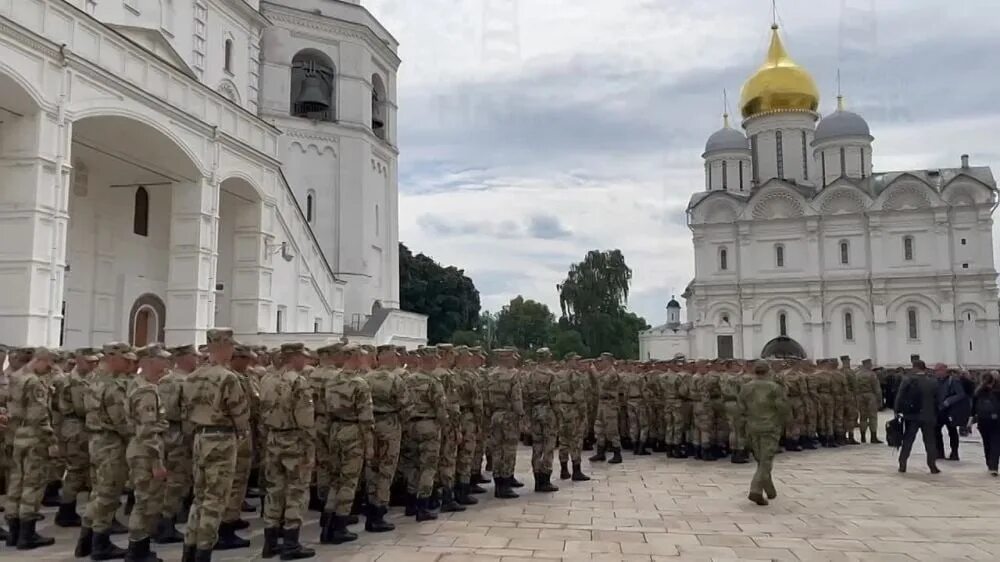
(797, 238)
(171, 165)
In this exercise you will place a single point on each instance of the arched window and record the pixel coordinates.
(378, 226)
(140, 214)
(310, 207)
(725, 179)
(782, 324)
(908, 248)
(313, 86)
(779, 255)
(845, 252)
(378, 106)
(779, 154)
(911, 323)
(848, 326)
(228, 61)
(723, 259)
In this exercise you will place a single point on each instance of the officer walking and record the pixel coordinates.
(764, 407)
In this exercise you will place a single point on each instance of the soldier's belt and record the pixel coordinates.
(217, 429)
(570, 403)
(423, 418)
(344, 420)
(284, 429)
(389, 413)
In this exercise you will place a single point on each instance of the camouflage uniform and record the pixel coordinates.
(471, 408)
(569, 398)
(75, 439)
(792, 382)
(318, 379)
(810, 402)
(687, 393)
(390, 405)
(635, 393)
(177, 444)
(653, 408)
(765, 408)
(482, 426)
(673, 405)
(825, 413)
(538, 395)
(447, 456)
(850, 399)
(730, 385)
(422, 435)
(504, 402)
(869, 401)
(145, 453)
(609, 385)
(245, 445)
(701, 414)
(219, 411)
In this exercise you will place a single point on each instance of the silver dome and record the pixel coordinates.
(726, 138)
(841, 123)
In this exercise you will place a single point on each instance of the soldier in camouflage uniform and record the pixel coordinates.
(109, 434)
(72, 433)
(538, 394)
(231, 522)
(636, 394)
(287, 414)
(670, 400)
(569, 398)
(869, 400)
(609, 384)
(144, 453)
(18, 358)
(34, 443)
(318, 379)
(810, 403)
(593, 399)
(850, 399)
(471, 411)
(216, 406)
(764, 407)
(701, 414)
(390, 405)
(731, 382)
(823, 377)
(177, 445)
(481, 373)
(450, 432)
(653, 406)
(422, 435)
(503, 400)
(792, 381)
(349, 407)
(686, 391)
(4, 456)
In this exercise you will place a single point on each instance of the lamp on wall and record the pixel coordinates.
(284, 248)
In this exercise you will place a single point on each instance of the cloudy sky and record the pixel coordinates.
(533, 131)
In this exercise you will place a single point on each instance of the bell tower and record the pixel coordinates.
(328, 81)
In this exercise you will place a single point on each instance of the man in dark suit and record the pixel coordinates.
(916, 403)
(954, 409)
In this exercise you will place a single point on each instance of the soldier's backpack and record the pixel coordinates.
(894, 433)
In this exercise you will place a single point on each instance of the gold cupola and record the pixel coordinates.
(779, 84)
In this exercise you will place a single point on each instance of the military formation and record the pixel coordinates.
(187, 435)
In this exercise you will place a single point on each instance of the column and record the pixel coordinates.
(391, 222)
(193, 243)
(250, 300)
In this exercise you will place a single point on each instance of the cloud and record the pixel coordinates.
(522, 150)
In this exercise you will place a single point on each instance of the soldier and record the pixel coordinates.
(349, 406)
(606, 425)
(730, 384)
(764, 406)
(34, 443)
(331, 360)
(215, 405)
(593, 400)
(810, 404)
(177, 444)
(72, 433)
(673, 433)
(471, 412)
(791, 380)
(231, 522)
(109, 434)
(569, 397)
(480, 373)
(287, 414)
(636, 395)
(687, 380)
(390, 405)
(145, 452)
(869, 400)
(702, 415)
(504, 402)
(4, 452)
(422, 435)
(450, 432)
(850, 399)
(821, 378)
(538, 395)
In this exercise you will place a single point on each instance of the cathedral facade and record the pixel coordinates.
(796, 237)
(171, 165)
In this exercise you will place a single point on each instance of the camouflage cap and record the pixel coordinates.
(4, 349)
(25, 353)
(119, 349)
(353, 349)
(866, 362)
(427, 351)
(462, 350)
(43, 352)
(401, 349)
(445, 347)
(543, 351)
(330, 349)
(87, 354)
(295, 348)
(244, 351)
(220, 335)
(309, 353)
(571, 355)
(153, 350)
(368, 348)
(203, 348)
(607, 355)
(386, 347)
(761, 367)
(180, 350)
(845, 357)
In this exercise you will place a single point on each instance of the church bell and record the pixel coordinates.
(312, 95)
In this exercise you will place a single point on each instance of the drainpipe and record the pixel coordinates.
(60, 202)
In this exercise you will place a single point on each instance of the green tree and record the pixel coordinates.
(466, 337)
(487, 329)
(445, 294)
(593, 298)
(526, 324)
(568, 340)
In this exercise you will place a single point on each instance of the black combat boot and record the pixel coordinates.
(28, 539)
(411, 505)
(644, 448)
(564, 470)
(627, 442)
(228, 539)
(434, 502)
(757, 498)
(462, 495)
(478, 478)
(50, 497)
(374, 523)
(315, 503)
(292, 549)
(502, 489)
(863, 439)
(659, 446)
(474, 485)
(599, 456)
(203, 555)
(166, 532)
(423, 512)
(101, 548)
(682, 451)
(241, 524)
(253, 485)
(578, 475)
(513, 482)
(588, 442)
(616, 455)
(84, 543)
(744, 456)
(489, 464)
(806, 443)
(4, 535)
(117, 528)
(271, 548)
(542, 483)
(851, 440)
(138, 551)
(188, 553)
(792, 445)
(875, 439)
(339, 533)
(182, 515)
(448, 503)
(15, 526)
(67, 516)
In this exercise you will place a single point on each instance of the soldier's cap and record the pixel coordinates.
(866, 362)
(244, 351)
(607, 355)
(369, 348)
(119, 349)
(260, 348)
(462, 350)
(25, 353)
(309, 353)
(353, 349)
(476, 349)
(220, 336)
(181, 350)
(505, 351)
(914, 356)
(445, 347)
(203, 348)
(571, 355)
(151, 351)
(295, 348)
(386, 347)
(427, 351)
(87, 354)
(330, 349)
(401, 349)
(845, 357)
(543, 351)
(43, 352)
(3, 349)
(760, 367)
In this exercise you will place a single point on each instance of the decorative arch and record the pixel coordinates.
(974, 307)
(777, 202)
(913, 298)
(719, 212)
(906, 192)
(837, 304)
(254, 184)
(765, 307)
(842, 199)
(228, 89)
(147, 303)
(963, 187)
(715, 311)
(25, 97)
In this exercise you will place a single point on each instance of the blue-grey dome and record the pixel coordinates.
(841, 123)
(726, 138)
(673, 303)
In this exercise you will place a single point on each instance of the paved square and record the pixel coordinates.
(834, 504)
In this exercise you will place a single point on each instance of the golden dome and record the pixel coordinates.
(779, 84)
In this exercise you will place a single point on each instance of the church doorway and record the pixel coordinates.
(146, 320)
(783, 347)
(724, 345)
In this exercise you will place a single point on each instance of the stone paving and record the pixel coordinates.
(834, 504)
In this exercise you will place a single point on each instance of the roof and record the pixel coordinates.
(726, 139)
(673, 303)
(840, 124)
